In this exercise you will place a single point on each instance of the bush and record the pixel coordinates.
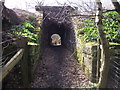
(110, 26)
(25, 29)
(90, 31)
(110, 23)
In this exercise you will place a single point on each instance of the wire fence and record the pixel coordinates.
(114, 76)
(21, 69)
(9, 47)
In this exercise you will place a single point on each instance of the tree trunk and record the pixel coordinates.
(105, 49)
(116, 5)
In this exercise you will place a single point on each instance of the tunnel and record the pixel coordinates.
(62, 26)
(53, 28)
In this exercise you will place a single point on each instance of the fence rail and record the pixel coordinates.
(12, 62)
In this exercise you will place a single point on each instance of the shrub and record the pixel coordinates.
(110, 26)
(26, 29)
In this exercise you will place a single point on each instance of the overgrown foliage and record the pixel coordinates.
(110, 25)
(90, 31)
(26, 29)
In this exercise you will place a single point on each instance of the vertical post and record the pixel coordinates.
(1, 8)
(105, 58)
(22, 43)
(98, 59)
(29, 64)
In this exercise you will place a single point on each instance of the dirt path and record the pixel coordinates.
(58, 69)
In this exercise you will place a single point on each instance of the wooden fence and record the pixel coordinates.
(22, 57)
(13, 61)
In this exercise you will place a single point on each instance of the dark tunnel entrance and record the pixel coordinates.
(55, 22)
(57, 29)
(53, 28)
(65, 30)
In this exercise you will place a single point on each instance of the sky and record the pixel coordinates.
(30, 4)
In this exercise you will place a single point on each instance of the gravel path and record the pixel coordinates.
(58, 69)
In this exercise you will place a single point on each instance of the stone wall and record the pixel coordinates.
(87, 56)
(90, 61)
(34, 55)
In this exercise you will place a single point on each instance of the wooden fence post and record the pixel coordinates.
(22, 43)
(98, 60)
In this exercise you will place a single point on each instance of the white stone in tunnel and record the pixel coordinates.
(56, 40)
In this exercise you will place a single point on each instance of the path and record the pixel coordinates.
(58, 69)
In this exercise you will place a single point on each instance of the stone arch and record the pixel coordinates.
(60, 25)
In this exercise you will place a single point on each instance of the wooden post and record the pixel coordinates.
(98, 60)
(30, 74)
(1, 8)
(22, 43)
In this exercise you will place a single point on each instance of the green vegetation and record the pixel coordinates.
(110, 25)
(28, 29)
(90, 86)
(90, 31)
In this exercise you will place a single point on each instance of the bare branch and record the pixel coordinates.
(116, 5)
(105, 11)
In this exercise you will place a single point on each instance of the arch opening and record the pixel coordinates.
(51, 28)
(65, 30)
(55, 40)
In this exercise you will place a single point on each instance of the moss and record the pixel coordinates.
(111, 43)
(37, 29)
(95, 43)
(32, 44)
(79, 56)
(81, 40)
(92, 43)
(34, 55)
(87, 72)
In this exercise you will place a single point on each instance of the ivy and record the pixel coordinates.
(110, 26)
(25, 29)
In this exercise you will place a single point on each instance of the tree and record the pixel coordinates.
(116, 5)
(105, 48)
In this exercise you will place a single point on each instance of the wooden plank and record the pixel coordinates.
(13, 61)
